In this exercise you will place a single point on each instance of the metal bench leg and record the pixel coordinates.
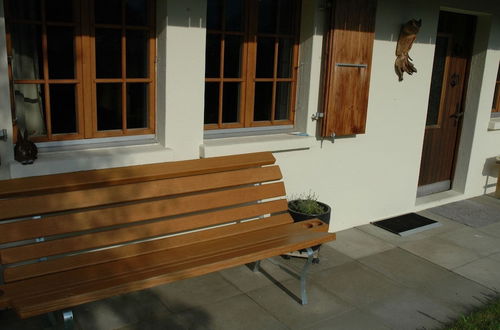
(256, 266)
(303, 275)
(69, 323)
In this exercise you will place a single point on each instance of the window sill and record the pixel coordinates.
(54, 162)
(494, 124)
(271, 142)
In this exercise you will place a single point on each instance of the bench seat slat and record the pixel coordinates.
(129, 174)
(12, 274)
(56, 202)
(145, 211)
(33, 304)
(196, 251)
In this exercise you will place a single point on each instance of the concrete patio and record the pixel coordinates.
(367, 279)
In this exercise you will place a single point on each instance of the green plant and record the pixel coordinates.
(307, 204)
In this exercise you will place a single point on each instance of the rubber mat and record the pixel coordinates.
(407, 224)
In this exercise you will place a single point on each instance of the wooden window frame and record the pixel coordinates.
(85, 80)
(495, 108)
(248, 77)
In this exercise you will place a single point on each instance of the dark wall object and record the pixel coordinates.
(407, 36)
(25, 151)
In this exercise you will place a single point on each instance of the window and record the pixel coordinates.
(496, 97)
(81, 69)
(251, 63)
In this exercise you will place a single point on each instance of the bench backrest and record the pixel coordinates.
(48, 224)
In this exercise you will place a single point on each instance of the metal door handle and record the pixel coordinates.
(457, 115)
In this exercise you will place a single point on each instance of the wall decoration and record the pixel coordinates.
(25, 151)
(407, 36)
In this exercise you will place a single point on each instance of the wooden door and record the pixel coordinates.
(446, 101)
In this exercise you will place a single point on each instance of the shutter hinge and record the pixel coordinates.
(317, 116)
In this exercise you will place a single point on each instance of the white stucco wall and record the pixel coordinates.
(365, 178)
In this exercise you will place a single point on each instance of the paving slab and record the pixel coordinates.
(485, 271)
(118, 311)
(473, 240)
(197, 291)
(357, 244)
(495, 256)
(352, 320)
(246, 280)
(322, 304)
(405, 268)
(356, 283)
(492, 230)
(471, 212)
(411, 310)
(441, 252)
(458, 293)
(10, 321)
(239, 312)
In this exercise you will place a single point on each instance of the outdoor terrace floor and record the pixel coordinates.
(367, 279)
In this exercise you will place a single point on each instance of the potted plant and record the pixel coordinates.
(306, 206)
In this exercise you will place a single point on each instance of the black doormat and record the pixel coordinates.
(407, 224)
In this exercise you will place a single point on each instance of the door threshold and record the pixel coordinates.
(433, 188)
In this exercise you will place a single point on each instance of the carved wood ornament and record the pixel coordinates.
(407, 36)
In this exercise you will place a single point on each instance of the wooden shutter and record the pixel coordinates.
(349, 47)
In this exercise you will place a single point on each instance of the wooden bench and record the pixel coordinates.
(69, 239)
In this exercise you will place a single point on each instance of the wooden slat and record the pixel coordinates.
(196, 251)
(130, 174)
(231, 241)
(141, 211)
(12, 274)
(36, 205)
(32, 306)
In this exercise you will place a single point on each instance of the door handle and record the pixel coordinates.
(457, 115)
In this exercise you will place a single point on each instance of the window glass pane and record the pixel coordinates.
(268, 10)
(214, 14)
(137, 54)
(437, 80)
(232, 56)
(282, 101)
(109, 106)
(287, 16)
(263, 101)
(25, 9)
(27, 60)
(265, 58)
(60, 51)
(62, 108)
(108, 53)
(234, 15)
(30, 108)
(59, 10)
(108, 11)
(212, 56)
(136, 12)
(285, 58)
(137, 105)
(211, 103)
(231, 103)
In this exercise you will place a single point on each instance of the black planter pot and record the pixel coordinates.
(298, 216)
